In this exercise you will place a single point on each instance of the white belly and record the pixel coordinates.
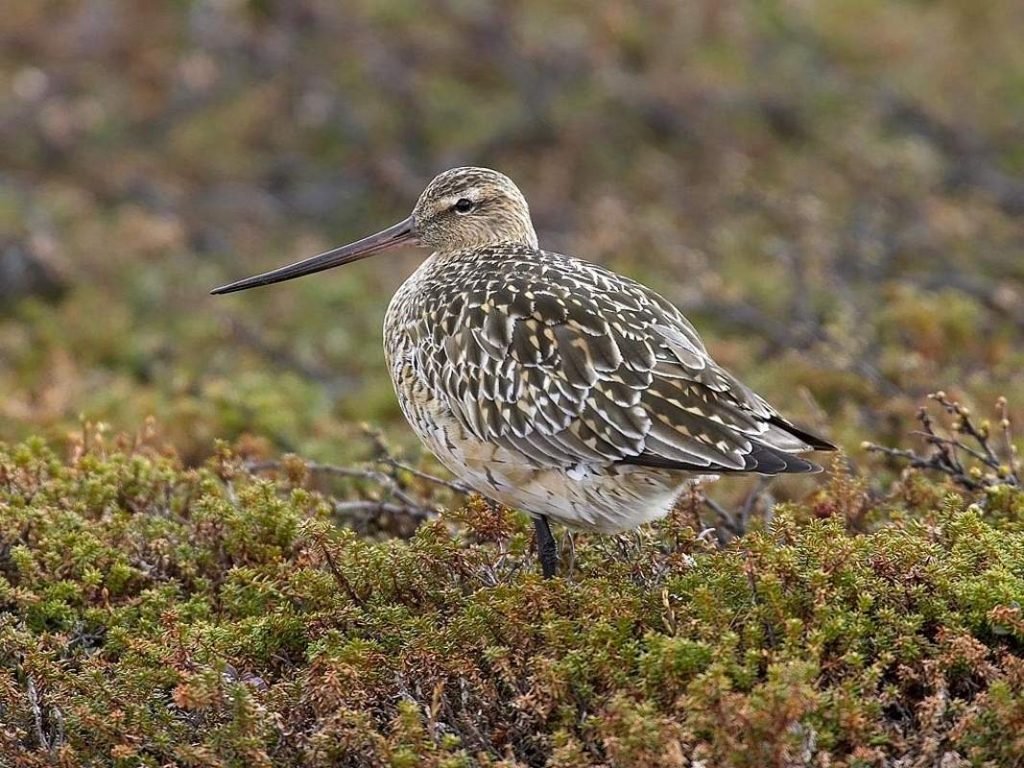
(587, 497)
(603, 498)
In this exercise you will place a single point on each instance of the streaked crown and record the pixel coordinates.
(470, 208)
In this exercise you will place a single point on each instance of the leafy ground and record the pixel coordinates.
(156, 615)
(832, 191)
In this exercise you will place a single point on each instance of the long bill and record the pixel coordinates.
(404, 232)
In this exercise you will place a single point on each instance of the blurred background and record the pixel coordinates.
(832, 191)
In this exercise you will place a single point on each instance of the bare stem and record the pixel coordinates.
(992, 465)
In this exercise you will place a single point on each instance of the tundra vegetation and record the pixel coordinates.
(218, 543)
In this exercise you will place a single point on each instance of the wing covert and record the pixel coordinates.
(567, 363)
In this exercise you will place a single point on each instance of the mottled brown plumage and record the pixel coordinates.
(549, 383)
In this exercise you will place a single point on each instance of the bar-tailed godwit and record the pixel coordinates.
(548, 383)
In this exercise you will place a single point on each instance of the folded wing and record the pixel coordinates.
(575, 364)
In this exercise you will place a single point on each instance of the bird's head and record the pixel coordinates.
(461, 208)
(470, 208)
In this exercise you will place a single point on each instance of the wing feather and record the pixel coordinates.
(570, 363)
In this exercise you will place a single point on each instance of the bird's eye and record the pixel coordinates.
(463, 205)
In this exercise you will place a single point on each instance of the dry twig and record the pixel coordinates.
(395, 500)
(968, 453)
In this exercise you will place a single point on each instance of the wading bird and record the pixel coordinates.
(548, 383)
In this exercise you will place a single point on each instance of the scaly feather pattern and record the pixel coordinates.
(563, 362)
(546, 382)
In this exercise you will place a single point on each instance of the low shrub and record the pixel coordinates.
(152, 614)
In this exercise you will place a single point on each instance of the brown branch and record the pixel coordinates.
(384, 456)
(396, 500)
(965, 439)
(338, 575)
(453, 485)
(368, 506)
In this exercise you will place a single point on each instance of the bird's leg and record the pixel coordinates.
(547, 550)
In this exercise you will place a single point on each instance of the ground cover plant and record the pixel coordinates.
(154, 614)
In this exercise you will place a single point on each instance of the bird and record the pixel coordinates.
(551, 384)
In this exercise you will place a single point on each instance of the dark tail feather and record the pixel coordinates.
(763, 460)
(766, 460)
(817, 443)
